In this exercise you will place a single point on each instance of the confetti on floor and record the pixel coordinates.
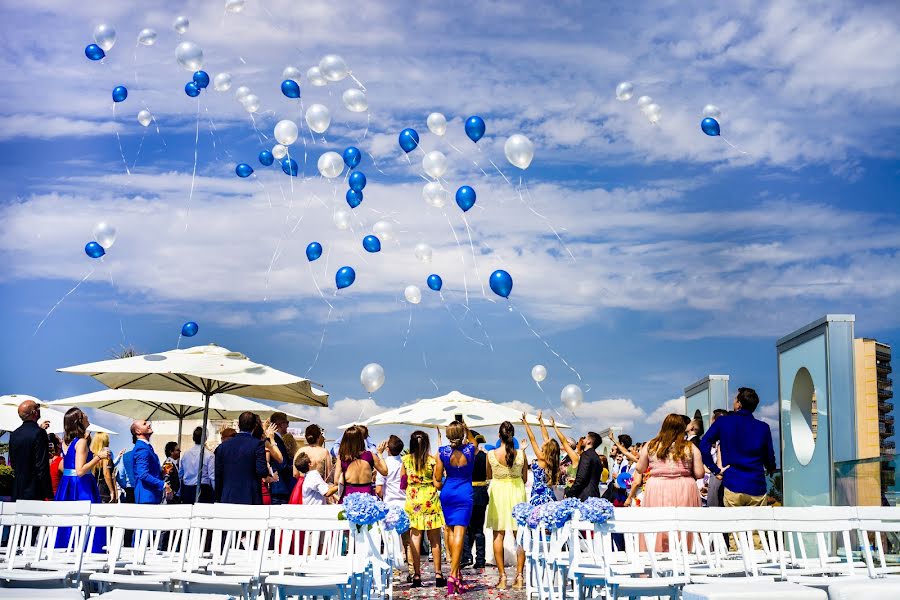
(481, 585)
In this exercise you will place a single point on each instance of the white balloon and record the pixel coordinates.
(412, 294)
(712, 111)
(333, 67)
(318, 118)
(144, 118)
(435, 163)
(189, 56)
(624, 91)
(234, 6)
(519, 150)
(105, 234)
(286, 132)
(241, 93)
(331, 164)
(423, 252)
(372, 377)
(644, 101)
(279, 151)
(355, 100)
(314, 75)
(539, 373)
(571, 396)
(435, 195)
(653, 112)
(251, 103)
(222, 82)
(437, 123)
(105, 36)
(181, 24)
(292, 73)
(147, 37)
(384, 230)
(342, 219)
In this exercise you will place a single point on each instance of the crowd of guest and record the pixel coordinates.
(451, 494)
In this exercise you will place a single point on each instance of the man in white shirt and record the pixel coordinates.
(315, 491)
(190, 463)
(387, 487)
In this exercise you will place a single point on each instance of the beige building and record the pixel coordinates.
(874, 419)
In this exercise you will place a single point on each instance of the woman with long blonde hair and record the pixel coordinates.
(103, 471)
(545, 468)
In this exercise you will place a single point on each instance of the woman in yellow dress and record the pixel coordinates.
(507, 470)
(423, 505)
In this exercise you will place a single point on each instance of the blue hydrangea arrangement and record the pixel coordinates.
(534, 517)
(396, 520)
(596, 510)
(520, 513)
(364, 509)
(557, 514)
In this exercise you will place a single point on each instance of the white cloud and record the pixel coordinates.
(675, 405)
(48, 127)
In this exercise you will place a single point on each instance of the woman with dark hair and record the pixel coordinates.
(356, 464)
(507, 470)
(56, 457)
(545, 469)
(422, 505)
(78, 482)
(715, 491)
(266, 431)
(457, 459)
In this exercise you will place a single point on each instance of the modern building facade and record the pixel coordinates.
(874, 412)
(702, 397)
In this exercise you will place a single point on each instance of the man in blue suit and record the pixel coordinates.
(241, 464)
(149, 487)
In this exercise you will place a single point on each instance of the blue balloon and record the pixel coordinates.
(354, 198)
(243, 170)
(435, 282)
(409, 139)
(191, 89)
(352, 156)
(313, 251)
(501, 283)
(201, 78)
(357, 181)
(189, 329)
(372, 243)
(94, 52)
(475, 128)
(289, 166)
(120, 92)
(710, 126)
(266, 158)
(465, 198)
(290, 88)
(344, 277)
(94, 250)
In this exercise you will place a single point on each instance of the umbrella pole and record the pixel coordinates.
(180, 421)
(202, 444)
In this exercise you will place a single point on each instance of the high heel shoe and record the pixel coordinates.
(519, 583)
(452, 583)
(501, 583)
(440, 580)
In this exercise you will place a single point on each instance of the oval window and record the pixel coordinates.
(804, 416)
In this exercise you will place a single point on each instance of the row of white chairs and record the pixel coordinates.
(752, 552)
(274, 551)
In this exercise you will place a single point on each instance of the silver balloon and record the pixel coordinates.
(437, 123)
(318, 118)
(144, 118)
(242, 92)
(712, 111)
(653, 112)
(331, 164)
(181, 24)
(105, 234)
(435, 163)
(384, 230)
(342, 219)
(286, 132)
(355, 100)
(292, 73)
(571, 396)
(423, 252)
(234, 6)
(644, 101)
(222, 82)
(314, 75)
(538, 373)
(147, 37)
(333, 67)
(251, 103)
(412, 294)
(372, 377)
(279, 151)
(624, 91)
(105, 36)
(519, 150)
(189, 56)
(435, 195)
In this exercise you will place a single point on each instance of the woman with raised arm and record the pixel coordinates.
(573, 454)
(545, 468)
(507, 470)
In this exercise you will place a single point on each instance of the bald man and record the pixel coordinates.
(29, 456)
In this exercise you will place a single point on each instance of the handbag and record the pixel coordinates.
(297, 492)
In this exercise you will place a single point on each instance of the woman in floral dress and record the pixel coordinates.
(545, 469)
(423, 505)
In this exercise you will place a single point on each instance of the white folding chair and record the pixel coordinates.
(7, 516)
(882, 523)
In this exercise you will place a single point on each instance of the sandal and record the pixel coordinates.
(440, 581)
(501, 583)
(452, 583)
(519, 583)
(409, 577)
(416, 581)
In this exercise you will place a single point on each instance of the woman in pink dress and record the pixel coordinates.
(676, 465)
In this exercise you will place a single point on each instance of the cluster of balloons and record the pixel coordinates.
(189, 329)
(104, 40)
(710, 123)
(198, 82)
(650, 109)
(104, 237)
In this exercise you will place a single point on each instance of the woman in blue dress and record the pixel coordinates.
(77, 481)
(457, 461)
(544, 470)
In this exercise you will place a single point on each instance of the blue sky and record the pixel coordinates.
(689, 257)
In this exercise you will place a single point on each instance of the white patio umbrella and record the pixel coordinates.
(9, 415)
(208, 370)
(442, 411)
(156, 405)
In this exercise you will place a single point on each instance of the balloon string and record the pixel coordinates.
(265, 191)
(425, 362)
(474, 162)
(375, 163)
(316, 283)
(501, 172)
(119, 141)
(194, 172)
(543, 341)
(259, 134)
(60, 301)
(475, 260)
(358, 82)
(140, 147)
(528, 205)
(408, 325)
(112, 284)
(178, 345)
(322, 339)
(462, 257)
(458, 325)
(733, 146)
(156, 125)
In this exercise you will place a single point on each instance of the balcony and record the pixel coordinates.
(888, 451)
(885, 394)
(884, 406)
(887, 418)
(883, 368)
(885, 382)
(888, 444)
